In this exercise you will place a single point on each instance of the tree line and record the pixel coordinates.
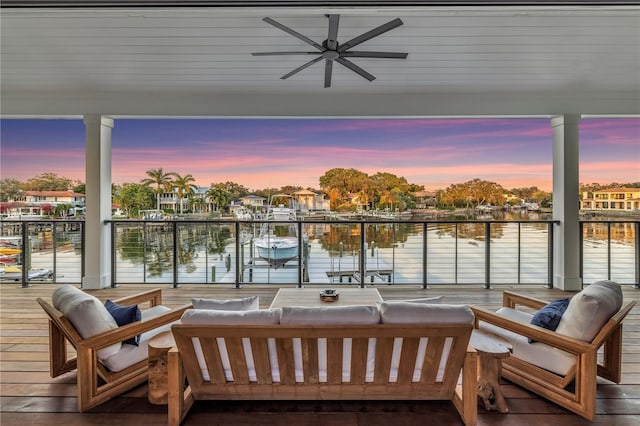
(346, 189)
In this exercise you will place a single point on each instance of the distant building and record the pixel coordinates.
(309, 201)
(425, 199)
(253, 202)
(32, 203)
(613, 199)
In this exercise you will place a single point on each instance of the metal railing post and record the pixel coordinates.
(609, 250)
(424, 255)
(487, 255)
(114, 278)
(237, 248)
(363, 254)
(300, 254)
(550, 249)
(637, 249)
(23, 255)
(175, 255)
(581, 249)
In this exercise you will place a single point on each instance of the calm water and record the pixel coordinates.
(455, 253)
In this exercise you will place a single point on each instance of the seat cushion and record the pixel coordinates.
(87, 314)
(130, 354)
(537, 353)
(590, 309)
(244, 304)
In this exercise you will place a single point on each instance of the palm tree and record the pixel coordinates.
(161, 180)
(183, 186)
(218, 196)
(197, 204)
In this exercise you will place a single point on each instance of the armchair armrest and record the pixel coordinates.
(154, 297)
(511, 300)
(128, 331)
(539, 334)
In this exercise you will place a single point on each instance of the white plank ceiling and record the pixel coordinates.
(197, 61)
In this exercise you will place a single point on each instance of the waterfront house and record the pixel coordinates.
(43, 203)
(612, 200)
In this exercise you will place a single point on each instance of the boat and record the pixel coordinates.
(242, 213)
(14, 273)
(277, 241)
(9, 251)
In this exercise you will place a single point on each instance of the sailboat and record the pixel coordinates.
(277, 242)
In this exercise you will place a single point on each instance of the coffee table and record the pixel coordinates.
(310, 297)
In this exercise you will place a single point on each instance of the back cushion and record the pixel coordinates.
(330, 315)
(245, 304)
(210, 316)
(590, 309)
(404, 312)
(87, 314)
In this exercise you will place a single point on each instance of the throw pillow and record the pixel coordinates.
(549, 316)
(125, 314)
(245, 304)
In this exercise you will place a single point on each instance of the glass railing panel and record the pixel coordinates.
(441, 253)
(158, 252)
(471, 253)
(534, 253)
(504, 253)
(403, 259)
(40, 251)
(129, 259)
(595, 264)
(68, 251)
(624, 254)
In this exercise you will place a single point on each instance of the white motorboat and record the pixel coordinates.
(277, 242)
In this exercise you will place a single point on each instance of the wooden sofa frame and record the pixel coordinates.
(96, 384)
(183, 361)
(577, 390)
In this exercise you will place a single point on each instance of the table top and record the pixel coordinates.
(310, 297)
(483, 341)
(162, 340)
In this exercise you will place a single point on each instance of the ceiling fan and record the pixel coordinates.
(332, 51)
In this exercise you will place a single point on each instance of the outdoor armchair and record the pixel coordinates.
(106, 367)
(562, 365)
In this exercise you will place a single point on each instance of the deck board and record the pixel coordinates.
(29, 396)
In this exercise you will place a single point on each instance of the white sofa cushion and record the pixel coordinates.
(87, 314)
(404, 312)
(537, 353)
(590, 309)
(253, 317)
(330, 315)
(245, 304)
(130, 354)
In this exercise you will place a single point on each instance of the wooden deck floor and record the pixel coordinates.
(29, 396)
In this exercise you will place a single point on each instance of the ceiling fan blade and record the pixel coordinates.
(332, 38)
(293, 33)
(328, 68)
(301, 67)
(284, 53)
(386, 55)
(370, 34)
(353, 67)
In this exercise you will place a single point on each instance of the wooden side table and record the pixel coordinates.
(491, 350)
(159, 346)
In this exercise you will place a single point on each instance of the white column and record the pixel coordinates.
(97, 249)
(566, 241)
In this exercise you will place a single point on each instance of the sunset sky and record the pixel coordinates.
(261, 153)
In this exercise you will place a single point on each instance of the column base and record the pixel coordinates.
(97, 282)
(567, 284)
